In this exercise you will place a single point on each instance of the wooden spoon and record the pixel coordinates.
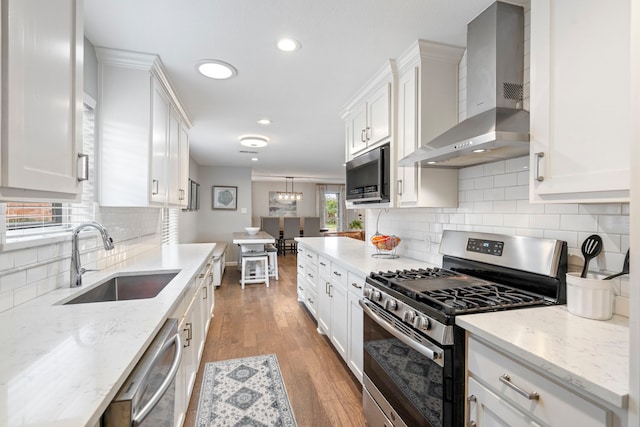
(591, 247)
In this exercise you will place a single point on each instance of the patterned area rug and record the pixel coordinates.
(244, 392)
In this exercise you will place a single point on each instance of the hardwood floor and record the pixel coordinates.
(260, 320)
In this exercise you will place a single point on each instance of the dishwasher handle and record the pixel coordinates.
(175, 365)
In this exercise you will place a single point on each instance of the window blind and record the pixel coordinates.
(170, 226)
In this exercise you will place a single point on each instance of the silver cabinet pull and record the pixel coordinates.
(337, 274)
(154, 187)
(470, 399)
(399, 187)
(205, 293)
(506, 380)
(357, 286)
(362, 137)
(83, 169)
(539, 177)
(368, 133)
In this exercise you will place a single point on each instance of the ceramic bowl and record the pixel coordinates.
(252, 230)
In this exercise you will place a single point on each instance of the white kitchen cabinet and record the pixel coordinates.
(368, 116)
(312, 283)
(301, 275)
(502, 390)
(42, 97)
(355, 325)
(580, 101)
(324, 295)
(427, 106)
(138, 130)
(339, 324)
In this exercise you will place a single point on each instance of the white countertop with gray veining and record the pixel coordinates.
(61, 365)
(357, 255)
(591, 355)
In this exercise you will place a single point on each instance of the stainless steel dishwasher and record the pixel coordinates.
(147, 398)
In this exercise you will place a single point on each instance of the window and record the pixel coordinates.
(170, 226)
(40, 218)
(331, 210)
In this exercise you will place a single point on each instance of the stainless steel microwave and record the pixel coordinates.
(368, 176)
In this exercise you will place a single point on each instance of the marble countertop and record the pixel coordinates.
(61, 365)
(591, 355)
(356, 254)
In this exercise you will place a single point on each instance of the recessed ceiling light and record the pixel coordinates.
(215, 69)
(254, 159)
(254, 140)
(480, 150)
(264, 122)
(431, 162)
(288, 45)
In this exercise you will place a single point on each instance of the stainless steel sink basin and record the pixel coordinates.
(123, 287)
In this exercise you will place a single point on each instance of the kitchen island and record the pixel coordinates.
(61, 365)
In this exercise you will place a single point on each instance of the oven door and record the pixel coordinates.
(406, 374)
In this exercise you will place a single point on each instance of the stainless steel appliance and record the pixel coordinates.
(367, 178)
(497, 126)
(414, 354)
(147, 397)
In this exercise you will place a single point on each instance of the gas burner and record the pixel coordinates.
(414, 274)
(482, 298)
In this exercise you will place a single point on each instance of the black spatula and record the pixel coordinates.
(591, 247)
(625, 268)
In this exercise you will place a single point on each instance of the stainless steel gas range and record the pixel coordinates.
(414, 355)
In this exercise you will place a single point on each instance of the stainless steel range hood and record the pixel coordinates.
(497, 127)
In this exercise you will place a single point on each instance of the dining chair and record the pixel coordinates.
(291, 230)
(311, 226)
(271, 226)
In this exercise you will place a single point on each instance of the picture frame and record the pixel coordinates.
(224, 197)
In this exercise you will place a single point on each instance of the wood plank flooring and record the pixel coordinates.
(260, 320)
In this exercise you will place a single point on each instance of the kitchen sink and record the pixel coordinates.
(125, 287)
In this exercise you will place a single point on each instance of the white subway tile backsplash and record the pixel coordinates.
(516, 220)
(25, 257)
(472, 172)
(494, 194)
(505, 206)
(517, 165)
(551, 222)
(506, 180)
(524, 207)
(36, 273)
(24, 294)
(6, 300)
(523, 178)
(13, 281)
(516, 193)
(561, 208)
(579, 223)
(601, 209)
(495, 168)
(618, 224)
(493, 219)
(466, 184)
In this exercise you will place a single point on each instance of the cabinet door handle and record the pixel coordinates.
(506, 380)
(368, 133)
(205, 293)
(330, 287)
(337, 274)
(539, 177)
(154, 187)
(323, 264)
(362, 135)
(357, 286)
(470, 399)
(400, 187)
(83, 169)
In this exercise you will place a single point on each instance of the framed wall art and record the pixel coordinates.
(224, 197)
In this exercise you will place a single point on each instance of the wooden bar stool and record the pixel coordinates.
(272, 254)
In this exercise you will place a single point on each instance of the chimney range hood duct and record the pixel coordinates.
(497, 127)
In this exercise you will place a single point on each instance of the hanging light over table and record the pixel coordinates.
(289, 195)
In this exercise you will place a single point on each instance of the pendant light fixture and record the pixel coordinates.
(289, 195)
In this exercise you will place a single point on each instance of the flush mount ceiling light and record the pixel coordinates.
(288, 45)
(264, 122)
(215, 69)
(254, 141)
(289, 195)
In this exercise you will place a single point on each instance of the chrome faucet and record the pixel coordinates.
(76, 270)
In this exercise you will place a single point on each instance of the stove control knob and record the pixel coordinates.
(422, 323)
(409, 316)
(377, 296)
(367, 293)
(391, 304)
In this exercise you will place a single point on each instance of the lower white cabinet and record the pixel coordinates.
(339, 326)
(355, 325)
(194, 312)
(301, 275)
(503, 391)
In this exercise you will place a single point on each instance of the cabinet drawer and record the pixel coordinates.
(311, 274)
(356, 284)
(339, 275)
(324, 267)
(555, 404)
(311, 301)
(311, 258)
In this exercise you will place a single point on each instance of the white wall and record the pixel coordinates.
(218, 225)
(260, 198)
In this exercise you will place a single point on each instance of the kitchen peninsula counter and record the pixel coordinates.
(592, 356)
(61, 365)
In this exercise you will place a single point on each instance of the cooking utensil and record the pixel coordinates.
(591, 247)
(625, 268)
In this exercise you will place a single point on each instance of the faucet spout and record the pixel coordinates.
(76, 269)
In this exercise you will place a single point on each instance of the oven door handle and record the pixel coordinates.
(434, 354)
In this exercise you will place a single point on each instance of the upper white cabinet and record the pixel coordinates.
(142, 131)
(368, 115)
(42, 92)
(580, 101)
(427, 106)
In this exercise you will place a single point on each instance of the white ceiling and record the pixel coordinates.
(344, 42)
